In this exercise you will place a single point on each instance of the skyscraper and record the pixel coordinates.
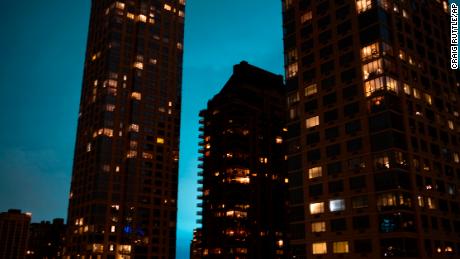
(14, 231)
(123, 197)
(243, 193)
(373, 133)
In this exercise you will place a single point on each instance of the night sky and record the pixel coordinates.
(43, 45)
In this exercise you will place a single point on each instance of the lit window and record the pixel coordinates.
(98, 248)
(370, 51)
(160, 140)
(138, 65)
(340, 247)
(124, 249)
(363, 5)
(318, 226)
(316, 208)
(130, 16)
(131, 154)
(407, 89)
(337, 205)
(307, 16)
(136, 96)
(167, 7)
(120, 5)
(88, 147)
(147, 155)
(430, 203)
(312, 122)
(456, 157)
(134, 127)
(112, 229)
(379, 84)
(315, 172)
(428, 98)
(373, 68)
(110, 107)
(386, 200)
(104, 131)
(319, 248)
(181, 13)
(279, 140)
(142, 18)
(311, 90)
(416, 93)
(292, 70)
(450, 124)
(293, 98)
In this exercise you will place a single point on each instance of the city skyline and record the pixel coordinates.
(37, 142)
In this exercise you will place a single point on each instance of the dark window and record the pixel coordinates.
(314, 155)
(357, 182)
(330, 99)
(344, 27)
(313, 138)
(333, 150)
(350, 92)
(294, 163)
(316, 190)
(363, 246)
(332, 133)
(354, 145)
(334, 168)
(331, 115)
(296, 196)
(346, 59)
(311, 106)
(353, 126)
(361, 222)
(336, 186)
(338, 225)
(392, 180)
(348, 76)
(297, 213)
(351, 109)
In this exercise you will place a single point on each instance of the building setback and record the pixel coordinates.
(14, 231)
(243, 192)
(123, 196)
(373, 133)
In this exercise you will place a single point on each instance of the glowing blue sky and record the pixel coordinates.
(43, 45)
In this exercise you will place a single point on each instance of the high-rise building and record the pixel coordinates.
(373, 133)
(46, 239)
(123, 196)
(243, 192)
(14, 231)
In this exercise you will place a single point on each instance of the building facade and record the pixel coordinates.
(243, 192)
(46, 239)
(14, 231)
(373, 133)
(123, 196)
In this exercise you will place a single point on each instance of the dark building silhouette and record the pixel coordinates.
(14, 230)
(243, 188)
(123, 196)
(46, 239)
(373, 133)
